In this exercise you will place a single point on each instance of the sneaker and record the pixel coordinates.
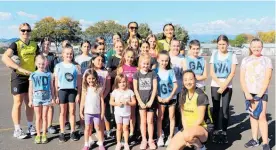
(101, 147)
(215, 136)
(224, 137)
(74, 136)
(151, 144)
(37, 140)
(31, 130)
(52, 130)
(19, 134)
(168, 141)
(85, 148)
(143, 145)
(126, 147)
(266, 147)
(251, 143)
(44, 139)
(160, 141)
(61, 137)
(67, 126)
(118, 146)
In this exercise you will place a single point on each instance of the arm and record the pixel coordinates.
(243, 84)
(82, 102)
(268, 75)
(201, 114)
(184, 66)
(231, 76)
(119, 70)
(112, 101)
(204, 76)
(30, 93)
(79, 84)
(135, 87)
(56, 88)
(173, 92)
(102, 106)
(183, 118)
(154, 92)
(107, 87)
(132, 101)
(53, 89)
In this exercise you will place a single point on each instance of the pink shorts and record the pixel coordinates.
(122, 119)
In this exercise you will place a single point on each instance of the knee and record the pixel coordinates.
(150, 121)
(160, 117)
(17, 104)
(172, 118)
(119, 129)
(125, 128)
(262, 117)
(188, 138)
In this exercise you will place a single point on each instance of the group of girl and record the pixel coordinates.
(140, 81)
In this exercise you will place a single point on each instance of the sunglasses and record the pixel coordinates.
(133, 28)
(24, 30)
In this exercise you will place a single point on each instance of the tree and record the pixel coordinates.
(57, 30)
(144, 30)
(105, 29)
(267, 37)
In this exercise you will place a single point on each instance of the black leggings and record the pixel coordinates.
(226, 98)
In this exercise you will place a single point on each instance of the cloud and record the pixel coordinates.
(85, 24)
(233, 26)
(24, 14)
(5, 15)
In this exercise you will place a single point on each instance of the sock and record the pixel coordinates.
(86, 144)
(100, 143)
(17, 127)
(30, 124)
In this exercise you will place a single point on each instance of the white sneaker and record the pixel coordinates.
(160, 141)
(19, 134)
(31, 130)
(168, 142)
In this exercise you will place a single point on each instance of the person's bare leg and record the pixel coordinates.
(44, 119)
(160, 115)
(38, 114)
(263, 124)
(29, 110)
(254, 123)
(150, 125)
(72, 116)
(172, 120)
(16, 108)
(62, 116)
(50, 115)
(132, 119)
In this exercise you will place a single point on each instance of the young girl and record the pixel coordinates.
(67, 83)
(116, 37)
(222, 70)
(145, 89)
(122, 98)
(41, 94)
(167, 87)
(127, 68)
(255, 76)
(92, 106)
(196, 63)
(177, 62)
(97, 64)
(145, 47)
(194, 105)
(114, 61)
(50, 64)
(84, 58)
(168, 35)
(152, 39)
(134, 44)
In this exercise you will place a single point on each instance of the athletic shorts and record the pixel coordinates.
(264, 97)
(172, 102)
(67, 96)
(41, 102)
(122, 119)
(19, 83)
(152, 108)
(92, 118)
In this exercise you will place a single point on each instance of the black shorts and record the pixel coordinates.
(172, 102)
(108, 108)
(67, 96)
(264, 97)
(19, 83)
(152, 108)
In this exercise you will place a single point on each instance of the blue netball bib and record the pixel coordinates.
(223, 67)
(41, 82)
(195, 64)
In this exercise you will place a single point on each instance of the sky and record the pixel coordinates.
(199, 17)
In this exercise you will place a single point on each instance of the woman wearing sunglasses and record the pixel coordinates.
(26, 50)
(132, 31)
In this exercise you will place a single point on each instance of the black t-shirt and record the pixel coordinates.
(51, 60)
(112, 65)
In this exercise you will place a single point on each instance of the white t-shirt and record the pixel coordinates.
(124, 110)
(83, 61)
(221, 58)
(255, 68)
(92, 101)
(177, 62)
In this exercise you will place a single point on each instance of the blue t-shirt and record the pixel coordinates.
(196, 64)
(165, 79)
(41, 83)
(67, 75)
